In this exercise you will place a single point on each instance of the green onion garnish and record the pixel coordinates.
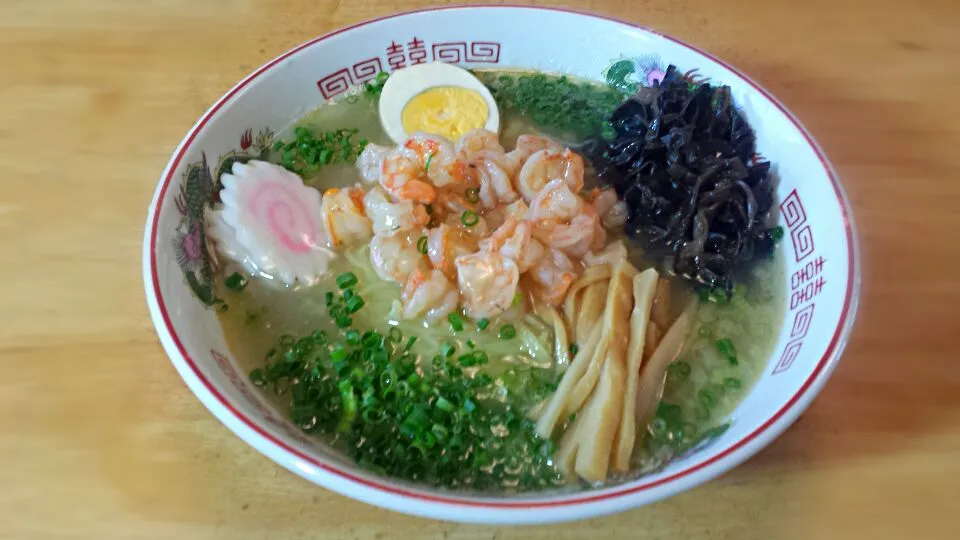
(347, 279)
(731, 383)
(426, 165)
(236, 282)
(726, 348)
(428, 425)
(422, 245)
(574, 349)
(354, 304)
(445, 406)
(469, 218)
(395, 334)
(707, 398)
(507, 331)
(456, 321)
(482, 324)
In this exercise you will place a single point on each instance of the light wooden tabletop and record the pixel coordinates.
(100, 439)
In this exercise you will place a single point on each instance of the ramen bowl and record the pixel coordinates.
(819, 245)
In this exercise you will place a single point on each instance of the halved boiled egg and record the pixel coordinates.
(437, 98)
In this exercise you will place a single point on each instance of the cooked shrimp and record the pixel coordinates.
(555, 201)
(575, 238)
(552, 276)
(388, 217)
(436, 155)
(395, 256)
(546, 165)
(475, 141)
(495, 185)
(341, 212)
(535, 143)
(612, 211)
(488, 282)
(445, 244)
(478, 230)
(404, 178)
(512, 240)
(370, 162)
(453, 200)
(517, 209)
(428, 291)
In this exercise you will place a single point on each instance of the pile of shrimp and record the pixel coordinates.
(470, 224)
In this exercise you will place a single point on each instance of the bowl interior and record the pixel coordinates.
(819, 250)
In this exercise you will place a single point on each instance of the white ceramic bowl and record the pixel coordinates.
(822, 262)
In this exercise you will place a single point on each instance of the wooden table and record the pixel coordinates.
(100, 439)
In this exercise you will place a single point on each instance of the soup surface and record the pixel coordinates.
(459, 401)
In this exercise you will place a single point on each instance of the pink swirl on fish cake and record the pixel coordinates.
(287, 218)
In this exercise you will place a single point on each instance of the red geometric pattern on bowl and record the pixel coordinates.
(408, 53)
(806, 283)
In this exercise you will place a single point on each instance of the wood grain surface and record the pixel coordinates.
(100, 439)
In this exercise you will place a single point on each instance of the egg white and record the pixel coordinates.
(406, 83)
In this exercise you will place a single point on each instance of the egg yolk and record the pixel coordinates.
(449, 111)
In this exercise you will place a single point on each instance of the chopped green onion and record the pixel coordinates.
(236, 282)
(373, 89)
(439, 432)
(476, 358)
(472, 195)
(372, 339)
(445, 405)
(707, 398)
(507, 331)
(422, 245)
(426, 166)
(328, 298)
(456, 321)
(347, 279)
(469, 218)
(726, 348)
(395, 334)
(732, 383)
(679, 369)
(574, 349)
(410, 342)
(354, 304)
(482, 324)
(365, 387)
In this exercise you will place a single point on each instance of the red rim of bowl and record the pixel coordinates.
(837, 340)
